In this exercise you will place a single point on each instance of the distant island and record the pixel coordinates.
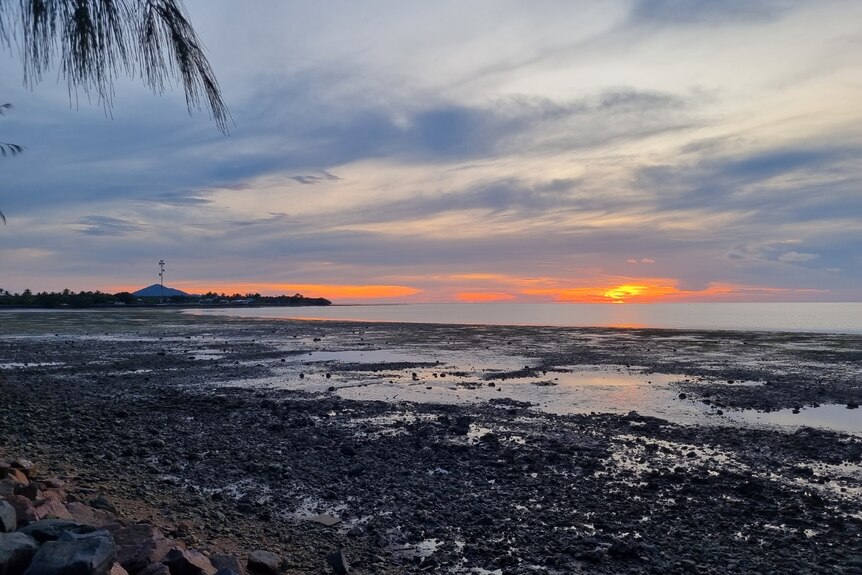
(150, 296)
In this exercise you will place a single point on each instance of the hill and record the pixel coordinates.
(156, 290)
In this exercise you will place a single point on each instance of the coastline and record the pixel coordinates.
(180, 422)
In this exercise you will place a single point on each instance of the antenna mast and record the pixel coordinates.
(162, 278)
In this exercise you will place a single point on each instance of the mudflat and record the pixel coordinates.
(451, 449)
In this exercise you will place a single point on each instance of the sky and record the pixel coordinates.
(388, 151)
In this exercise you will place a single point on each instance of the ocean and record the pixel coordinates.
(819, 317)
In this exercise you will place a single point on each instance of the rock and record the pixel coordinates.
(7, 487)
(155, 569)
(53, 483)
(348, 450)
(325, 519)
(140, 545)
(75, 554)
(227, 564)
(52, 529)
(338, 562)
(88, 516)
(185, 562)
(16, 550)
(264, 562)
(52, 509)
(8, 517)
(26, 466)
(102, 502)
(30, 491)
(117, 569)
(17, 476)
(24, 510)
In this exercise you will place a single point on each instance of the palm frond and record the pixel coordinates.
(7, 149)
(96, 41)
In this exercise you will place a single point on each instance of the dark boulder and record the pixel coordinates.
(16, 551)
(8, 517)
(264, 563)
(185, 562)
(75, 554)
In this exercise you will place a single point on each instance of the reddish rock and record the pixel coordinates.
(51, 509)
(26, 466)
(89, 516)
(18, 476)
(140, 545)
(184, 562)
(117, 569)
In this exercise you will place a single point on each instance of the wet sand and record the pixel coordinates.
(455, 449)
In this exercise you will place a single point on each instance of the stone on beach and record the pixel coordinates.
(227, 564)
(52, 529)
(75, 554)
(8, 517)
(23, 509)
(140, 545)
(186, 562)
(264, 563)
(51, 509)
(155, 569)
(338, 561)
(16, 551)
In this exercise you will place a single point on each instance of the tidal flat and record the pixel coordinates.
(451, 449)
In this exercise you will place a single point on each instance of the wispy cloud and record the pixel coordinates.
(107, 226)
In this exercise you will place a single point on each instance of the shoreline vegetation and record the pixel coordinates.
(96, 299)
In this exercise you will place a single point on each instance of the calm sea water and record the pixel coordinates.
(807, 317)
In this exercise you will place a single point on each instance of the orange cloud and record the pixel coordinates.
(477, 297)
(656, 290)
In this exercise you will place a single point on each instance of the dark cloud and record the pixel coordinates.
(311, 179)
(782, 185)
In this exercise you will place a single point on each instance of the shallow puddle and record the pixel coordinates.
(833, 416)
(363, 356)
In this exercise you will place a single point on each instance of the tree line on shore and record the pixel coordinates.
(83, 299)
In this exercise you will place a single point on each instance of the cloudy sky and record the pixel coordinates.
(643, 150)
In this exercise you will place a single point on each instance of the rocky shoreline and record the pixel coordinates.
(49, 526)
(227, 467)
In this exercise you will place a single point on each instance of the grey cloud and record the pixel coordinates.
(511, 195)
(106, 226)
(769, 186)
(311, 179)
(796, 257)
(274, 217)
(708, 12)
